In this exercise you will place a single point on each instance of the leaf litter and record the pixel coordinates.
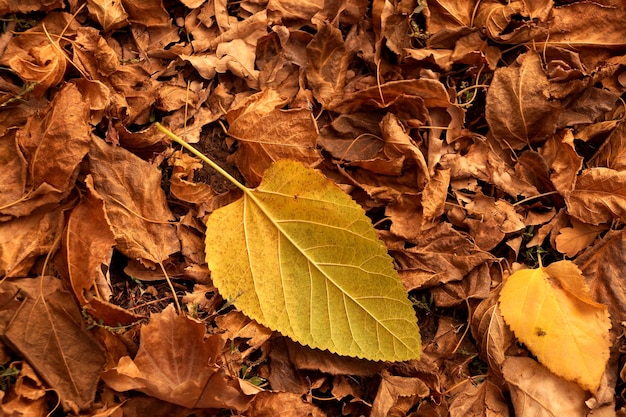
(478, 138)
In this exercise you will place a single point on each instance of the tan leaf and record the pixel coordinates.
(397, 392)
(147, 13)
(442, 255)
(93, 54)
(134, 202)
(564, 162)
(45, 65)
(238, 57)
(491, 220)
(24, 239)
(286, 10)
(485, 399)
(475, 285)
(536, 392)
(327, 62)
(572, 240)
(13, 176)
(7, 6)
(599, 196)
(583, 25)
(482, 162)
(281, 403)
(612, 152)
(28, 395)
(435, 194)
(176, 363)
(267, 134)
(87, 252)
(518, 109)
(493, 337)
(109, 13)
(603, 266)
(49, 332)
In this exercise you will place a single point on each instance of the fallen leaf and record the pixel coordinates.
(110, 14)
(603, 267)
(327, 62)
(441, 255)
(295, 225)
(397, 394)
(134, 202)
(551, 311)
(518, 109)
(266, 404)
(27, 397)
(187, 374)
(536, 392)
(599, 196)
(266, 134)
(572, 240)
(49, 332)
(473, 400)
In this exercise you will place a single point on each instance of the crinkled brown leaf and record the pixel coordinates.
(177, 364)
(109, 13)
(599, 196)
(398, 393)
(537, 392)
(473, 400)
(612, 153)
(286, 404)
(134, 202)
(442, 255)
(266, 134)
(519, 110)
(48, 330)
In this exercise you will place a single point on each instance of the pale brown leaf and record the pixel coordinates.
(176, 363)
(599, 196)
(518, 109)
(134, 202)
(536, 392)
(49, 331)
(109, 13)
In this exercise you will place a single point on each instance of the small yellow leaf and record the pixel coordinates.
(551, 311)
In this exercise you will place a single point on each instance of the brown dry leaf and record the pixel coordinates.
(177, 364)
(45, 66)
(493, 337)
(612, 152)
(434, 195)
(571, 240)
(93, 54)
(519, 110)
(269, 404)
(24, 239)
(10, 6)
(149, 13)
(397, 394)
(109, 13)
(604, 268)
(536, 392)
(491, 220)
(584, 25)
(475, 285)
(442, 255)
(182, 185)
(599, 196)
(481, 400)
(482, 162)
(515, 21)
(448, 20)
(560, 155)
(134, 202)
(48, 330)
(53, 144)
(327, 62)
(13, 176)
(266, 134)
(27, 397)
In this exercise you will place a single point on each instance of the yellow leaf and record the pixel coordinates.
(298, 255)
(550, 310)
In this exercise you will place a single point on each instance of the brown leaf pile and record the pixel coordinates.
(478, 135)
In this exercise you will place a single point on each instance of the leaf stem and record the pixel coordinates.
(199, 154)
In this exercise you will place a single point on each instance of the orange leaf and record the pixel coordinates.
(550, 310)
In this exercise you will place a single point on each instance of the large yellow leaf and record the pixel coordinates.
(298, 255)
(550, 310)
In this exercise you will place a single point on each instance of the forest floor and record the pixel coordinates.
(485, 142)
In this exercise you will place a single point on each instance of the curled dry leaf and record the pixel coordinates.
(599, 196)
(473, 400)
(519, 110)
(134, 202)
(572, 240)
(398, 393)
(266, 134)
(537, 392)
(49, 332)
(109, 13)
(186, 375)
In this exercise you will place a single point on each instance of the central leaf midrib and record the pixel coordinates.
(250, 194)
